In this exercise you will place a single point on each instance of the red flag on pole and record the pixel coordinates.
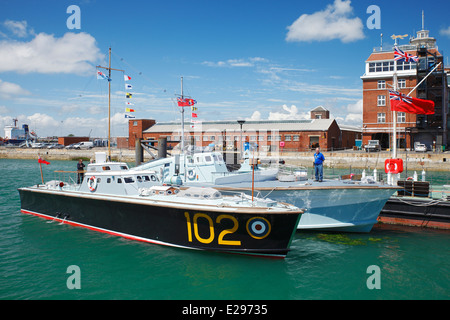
(186, 102)
(40, 160)
(404, 103)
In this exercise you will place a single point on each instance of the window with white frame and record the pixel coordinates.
(287, 138)
(381, 84)
(296, 137)
(381, 117)
(381, 100)
(401, 83)
(401, 117)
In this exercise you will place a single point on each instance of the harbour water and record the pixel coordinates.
(35, 255)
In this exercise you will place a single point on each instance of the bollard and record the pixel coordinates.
(162, 147)
(138, 153)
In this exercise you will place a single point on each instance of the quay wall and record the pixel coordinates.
(337, 159)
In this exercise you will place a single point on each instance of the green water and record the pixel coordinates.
(35, 255)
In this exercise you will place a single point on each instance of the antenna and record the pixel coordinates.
(381, 44)
(423, 21)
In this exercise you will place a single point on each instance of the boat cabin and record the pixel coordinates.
(115, 178)
(199, 167)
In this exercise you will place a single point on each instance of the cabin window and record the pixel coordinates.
(128, 180)
(153, 178)
(208, 159)
(105, 168)
(139, 179)
(108, 180)
(123, 167)
(119, 180)
(99, 180)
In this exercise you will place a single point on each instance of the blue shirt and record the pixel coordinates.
(318, 158)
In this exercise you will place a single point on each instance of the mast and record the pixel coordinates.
(109, 100)
(182, 118)
(109, 105)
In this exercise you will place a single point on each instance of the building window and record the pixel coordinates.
(381, 84)
(296, 137)
(318, 116)
(381, 101)
(252, 138)
(401, 117)
(135, 123)
(261, 138)
(401, 83)
(287, 138)
(381, 117)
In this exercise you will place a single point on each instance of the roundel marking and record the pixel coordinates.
(258, 227)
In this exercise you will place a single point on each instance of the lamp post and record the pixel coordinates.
(241, 122)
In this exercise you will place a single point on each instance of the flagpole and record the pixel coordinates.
(424, 78)
(42, 175)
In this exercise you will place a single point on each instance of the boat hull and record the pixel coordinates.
(214, 229)
(340, 209)
(415, 211)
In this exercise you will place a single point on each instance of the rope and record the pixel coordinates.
(428, 204)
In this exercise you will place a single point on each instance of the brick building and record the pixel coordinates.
(269, 135)
(378, 79)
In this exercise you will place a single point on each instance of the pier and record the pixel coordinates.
(334, 159)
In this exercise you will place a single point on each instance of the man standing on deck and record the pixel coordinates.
(318, 165)
(80, 169)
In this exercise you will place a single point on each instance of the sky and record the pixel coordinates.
(246, 59)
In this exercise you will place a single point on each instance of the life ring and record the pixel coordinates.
(92, 183)
(409, 178)
(191, 174)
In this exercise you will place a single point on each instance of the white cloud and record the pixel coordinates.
(289, 114)
(18, 28)
(334, 22)
(250, 62)
(256, 116)
(355, 113)
(74, 53)
(445, 32)
(9, 89)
